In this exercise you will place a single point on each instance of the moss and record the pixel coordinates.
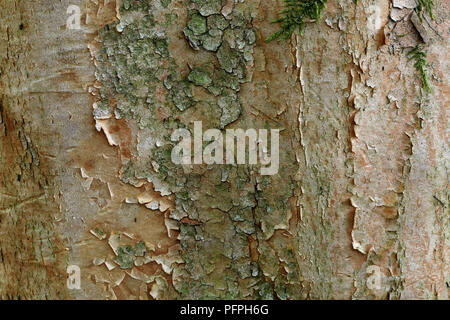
(420, 64)
(294, 15)
(425, 5)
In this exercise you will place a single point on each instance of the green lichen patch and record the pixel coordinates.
(166, 169)
(134, 5)
(232, 40)
(140, 249)
(181, 94)
(229, 59)
(100, 234)
(208, 7)
(223, 80)
(197, 24)
(126, 254)
(125, 257)
(203, 34)
(217, 21)
(200, 77)
(295, 15)
(231, 109)
(131, 66)
(229, 217)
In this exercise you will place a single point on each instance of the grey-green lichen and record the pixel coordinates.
(232, 40)
(227, 213)
(200, 77)
(126, 254)
(233, 205)
(131, 66)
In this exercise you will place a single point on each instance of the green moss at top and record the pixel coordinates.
(420, 57)
(425, 5)
(295, 14)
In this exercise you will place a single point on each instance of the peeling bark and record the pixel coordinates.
(358, 209)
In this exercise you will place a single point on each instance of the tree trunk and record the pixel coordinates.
(357, 210)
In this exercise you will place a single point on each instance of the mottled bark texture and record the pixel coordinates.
(358, 209)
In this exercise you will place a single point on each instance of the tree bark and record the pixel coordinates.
(357, 210)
